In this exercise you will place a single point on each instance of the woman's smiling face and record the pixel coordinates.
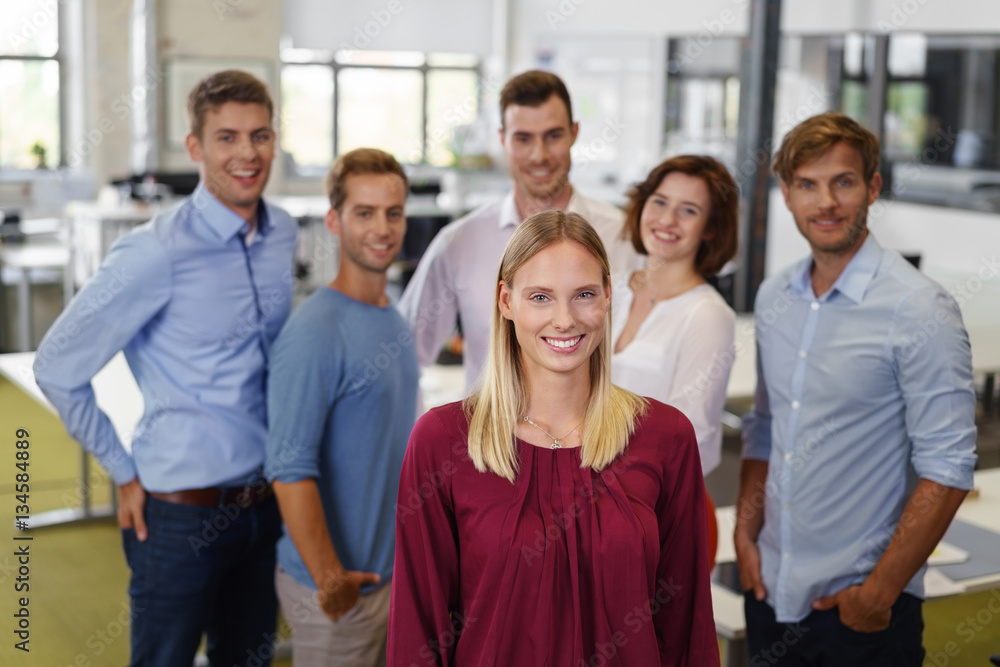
(557, 301)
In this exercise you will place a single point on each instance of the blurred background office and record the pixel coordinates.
(92, 126)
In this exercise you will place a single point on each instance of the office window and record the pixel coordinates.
(703, 97)
(406, 103)
(307, 115)
(383, 108)
(30, 133)
(452, 99)
(942, 111)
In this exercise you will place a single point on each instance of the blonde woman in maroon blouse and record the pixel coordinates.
(554, 518)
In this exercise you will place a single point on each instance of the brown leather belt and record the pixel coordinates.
(243, 496)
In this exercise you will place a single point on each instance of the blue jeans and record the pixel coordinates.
(204, 570)
(821, 640)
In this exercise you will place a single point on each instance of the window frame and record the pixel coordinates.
(336, 66)
(62, 121)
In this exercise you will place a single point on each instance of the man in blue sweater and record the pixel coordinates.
(342, 399)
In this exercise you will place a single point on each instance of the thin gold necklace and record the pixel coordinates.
(556, 442)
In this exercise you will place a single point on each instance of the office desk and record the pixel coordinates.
(117, 395)
(743, 376)
(25, 257)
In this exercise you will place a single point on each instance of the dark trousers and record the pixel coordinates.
(821, 640)
(204, 570)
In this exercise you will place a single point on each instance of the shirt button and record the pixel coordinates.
(795, 405)
(788, 456)
(786, 555)
(802, 354)
(815, 305)
(785, 507)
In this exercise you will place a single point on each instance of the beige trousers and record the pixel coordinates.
(358, 639)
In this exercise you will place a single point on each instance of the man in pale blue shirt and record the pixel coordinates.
(860, 445)
(195, 298)
(457, 275)
(342, 396)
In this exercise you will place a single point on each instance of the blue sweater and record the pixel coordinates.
(342, 399)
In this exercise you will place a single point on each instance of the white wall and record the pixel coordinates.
(533, 22)
(229, 29)
(403, 25)
(940, 16)
(951, 242)
(232, 30)
(101, 142)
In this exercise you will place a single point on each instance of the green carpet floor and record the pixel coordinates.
(78, 604)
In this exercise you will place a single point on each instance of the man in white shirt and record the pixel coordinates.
(457, 276)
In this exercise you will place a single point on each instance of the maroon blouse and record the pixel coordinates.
(566, 567)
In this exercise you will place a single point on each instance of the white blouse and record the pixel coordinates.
(681, 355)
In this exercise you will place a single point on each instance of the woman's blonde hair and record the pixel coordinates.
(499, 401)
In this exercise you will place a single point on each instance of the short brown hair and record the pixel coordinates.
(720, 244)
(231, 85)
(359, 161)
(815, 136)
(532, 89)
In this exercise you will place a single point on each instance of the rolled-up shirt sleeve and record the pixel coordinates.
(933, 363)
(132, 285)
(301, 377)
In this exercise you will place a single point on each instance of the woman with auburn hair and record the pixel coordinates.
(672, 331)
(553, 518)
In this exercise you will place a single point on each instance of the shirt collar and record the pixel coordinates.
(509, 216)
(853, 281)
(223, 221)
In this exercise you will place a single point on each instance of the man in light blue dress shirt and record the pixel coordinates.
(860, 445)
(195, 298)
